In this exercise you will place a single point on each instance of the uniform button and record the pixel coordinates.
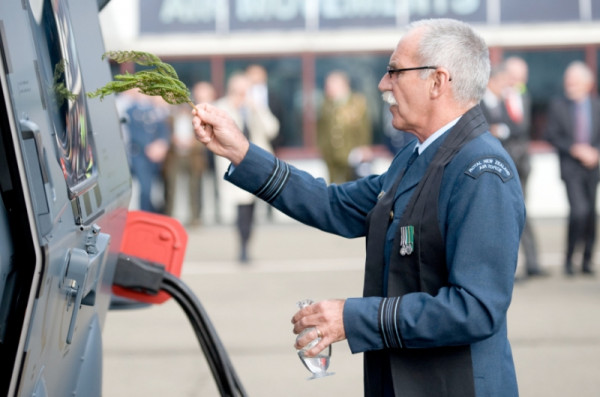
(391, 215)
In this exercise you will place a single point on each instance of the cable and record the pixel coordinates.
(141, 275)
(223, 368)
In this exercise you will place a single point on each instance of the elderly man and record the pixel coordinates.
(442, 226)
(574, 130)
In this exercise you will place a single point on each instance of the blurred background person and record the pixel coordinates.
(492, 104)
(260, 94)
(148, 145)
(258, 90)
(260, 126)
(518, 105)
(507, 109)
(186, 159)
(574, 130)
(343, 124)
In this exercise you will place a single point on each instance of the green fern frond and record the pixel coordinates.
(160, 79)
(61, 91)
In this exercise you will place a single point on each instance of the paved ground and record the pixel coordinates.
(554, 323)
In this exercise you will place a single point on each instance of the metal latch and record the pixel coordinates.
(82, 273)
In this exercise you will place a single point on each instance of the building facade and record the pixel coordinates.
(300, 41)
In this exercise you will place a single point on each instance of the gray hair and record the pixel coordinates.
(455, 46)
(582, 69)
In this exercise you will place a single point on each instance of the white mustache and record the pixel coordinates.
(389, 98)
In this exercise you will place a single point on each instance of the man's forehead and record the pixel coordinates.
(402, 55)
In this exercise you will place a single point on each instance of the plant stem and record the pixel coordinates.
(192, 105)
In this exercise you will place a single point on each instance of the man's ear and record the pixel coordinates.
(440, 82)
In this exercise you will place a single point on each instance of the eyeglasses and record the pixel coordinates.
(391, 71)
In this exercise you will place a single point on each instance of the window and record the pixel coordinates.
(63, 94)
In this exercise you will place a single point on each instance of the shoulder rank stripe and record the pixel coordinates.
(388, 322)
(275, 182)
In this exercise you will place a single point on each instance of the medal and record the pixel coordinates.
(407, 242)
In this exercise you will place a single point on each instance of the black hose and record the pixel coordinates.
(218, 360)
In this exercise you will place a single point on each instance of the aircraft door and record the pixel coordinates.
(63, 216)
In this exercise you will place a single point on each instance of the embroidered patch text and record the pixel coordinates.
(490, 164)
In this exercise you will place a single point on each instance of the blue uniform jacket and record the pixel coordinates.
(481, 216)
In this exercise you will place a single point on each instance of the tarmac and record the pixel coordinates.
(554, 321)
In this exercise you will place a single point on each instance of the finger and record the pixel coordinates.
(318, 348)
(297, 317)
(198, 123)
(305, 339)
(210, 114)
(208, 136)
(305, 322)
(200, 129)
(203, 132)
(305, 311)
(206, 141)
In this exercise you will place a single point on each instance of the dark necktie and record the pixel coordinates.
(582, 130)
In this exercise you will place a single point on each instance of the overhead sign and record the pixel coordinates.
(225, 16)
(266, 14)
(172, 16)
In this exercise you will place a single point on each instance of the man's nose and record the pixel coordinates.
(385, 84)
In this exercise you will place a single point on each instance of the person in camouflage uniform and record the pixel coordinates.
(343, 125)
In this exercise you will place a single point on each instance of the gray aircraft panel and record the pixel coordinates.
(76, 178)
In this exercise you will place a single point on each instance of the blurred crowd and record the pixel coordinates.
(166, 160)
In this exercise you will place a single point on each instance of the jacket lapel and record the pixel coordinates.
(416, 171)
(413, 175)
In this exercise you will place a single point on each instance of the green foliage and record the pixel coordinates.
(61, 91)
(160, 79)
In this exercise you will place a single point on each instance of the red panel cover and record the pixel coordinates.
(157, 238)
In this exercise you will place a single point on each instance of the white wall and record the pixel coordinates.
(545, 195)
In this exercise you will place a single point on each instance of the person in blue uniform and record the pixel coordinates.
(148, 144)
(442, 226)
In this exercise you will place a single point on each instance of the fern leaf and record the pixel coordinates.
(159, 79)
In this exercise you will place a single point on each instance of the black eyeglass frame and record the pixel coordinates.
(391, 71)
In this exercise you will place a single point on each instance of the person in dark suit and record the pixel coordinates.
(574, 130)
(442, 226)
(507, 108)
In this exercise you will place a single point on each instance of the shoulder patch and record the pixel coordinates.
(490, 164)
